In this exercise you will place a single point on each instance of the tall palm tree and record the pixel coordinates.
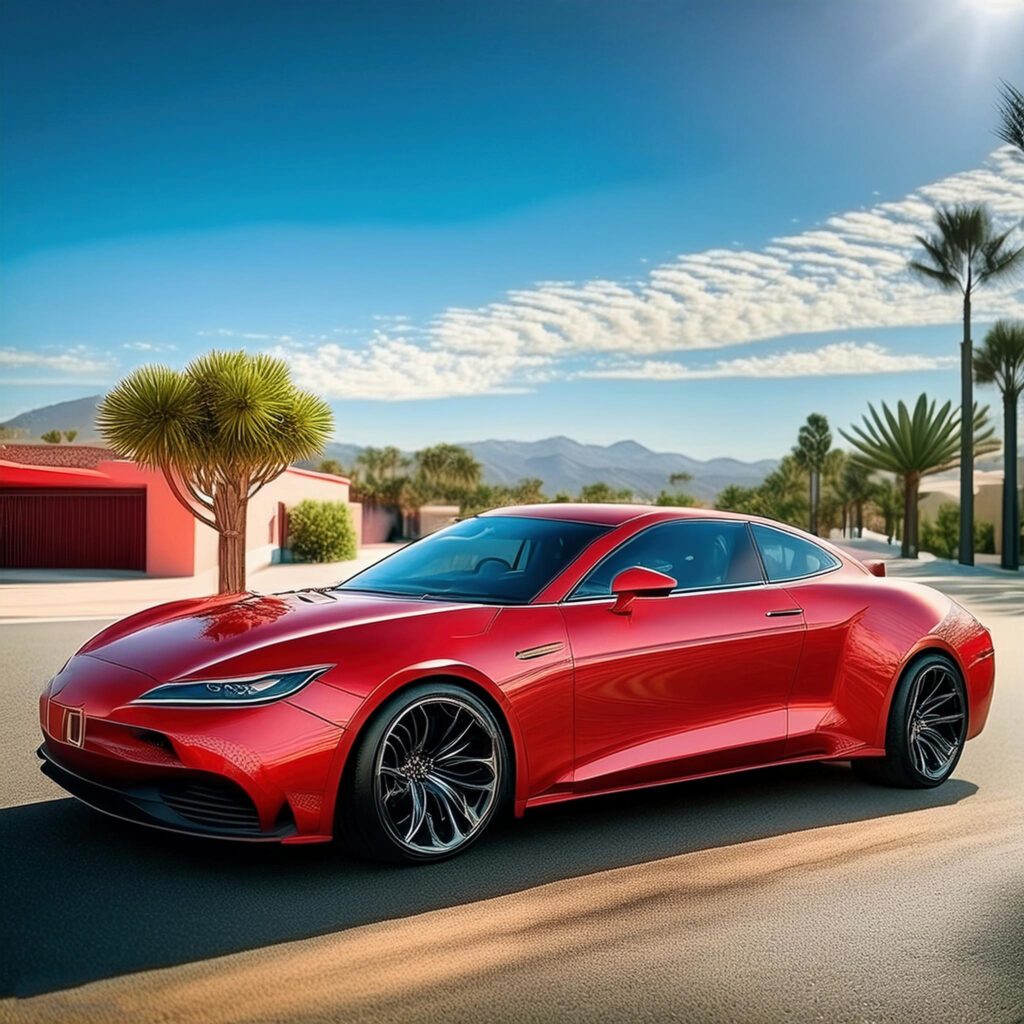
(858, 489)
(218, 430)
(1000, 361)
(916, 445)
(1011, 116)
(963, 253)
(813, 444)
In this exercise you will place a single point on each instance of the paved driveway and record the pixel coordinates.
(793, 894)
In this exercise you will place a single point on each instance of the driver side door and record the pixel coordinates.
(693, 682)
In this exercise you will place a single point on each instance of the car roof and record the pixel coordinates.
(606, 515)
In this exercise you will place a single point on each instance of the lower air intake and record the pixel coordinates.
(213, 803)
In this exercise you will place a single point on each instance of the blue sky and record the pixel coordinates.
(683, 223)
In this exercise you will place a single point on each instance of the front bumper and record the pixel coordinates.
(257, 773)
(202, 805)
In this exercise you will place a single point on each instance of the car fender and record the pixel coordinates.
(398, 680)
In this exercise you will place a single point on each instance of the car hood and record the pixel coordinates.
(185, 638)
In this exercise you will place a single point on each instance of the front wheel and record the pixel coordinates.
(927, 727)
(429, 774)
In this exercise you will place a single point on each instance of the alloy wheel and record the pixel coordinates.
(935, 721)
(437, 775)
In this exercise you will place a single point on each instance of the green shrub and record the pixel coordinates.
(984, 537)
(321, 531)
(942, 538)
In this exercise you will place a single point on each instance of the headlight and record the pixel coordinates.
(236, 692)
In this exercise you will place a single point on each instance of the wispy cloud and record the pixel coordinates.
(841, 358)
(75, 360)
(147, 346)
(393, 369)
(847, 274)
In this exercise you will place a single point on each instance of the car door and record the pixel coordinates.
(692, 682)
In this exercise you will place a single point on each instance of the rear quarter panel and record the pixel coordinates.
(861, 633)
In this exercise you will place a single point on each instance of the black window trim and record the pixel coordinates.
(571, 597)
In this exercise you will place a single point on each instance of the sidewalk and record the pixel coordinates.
(31, 595)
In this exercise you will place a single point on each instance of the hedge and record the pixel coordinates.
(942, 537)
(321, 531)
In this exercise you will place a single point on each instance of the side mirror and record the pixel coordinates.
(875, 568)
(639, 582)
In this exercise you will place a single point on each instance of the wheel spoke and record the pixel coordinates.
(942, 719)
(419, 811)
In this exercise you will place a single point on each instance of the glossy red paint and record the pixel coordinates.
(679, 686)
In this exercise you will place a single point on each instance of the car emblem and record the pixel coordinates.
(74, 727)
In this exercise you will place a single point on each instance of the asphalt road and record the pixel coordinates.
(789, 894)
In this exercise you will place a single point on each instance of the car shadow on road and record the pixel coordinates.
(89, 897)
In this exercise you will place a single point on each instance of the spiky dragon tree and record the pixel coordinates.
(219, 430)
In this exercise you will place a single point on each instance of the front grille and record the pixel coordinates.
(213, 803)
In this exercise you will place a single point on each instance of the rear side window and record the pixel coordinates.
(787, 557)
(698, 554)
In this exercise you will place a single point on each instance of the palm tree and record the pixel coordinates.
(1011, 116)
(446, 472)
(858, 490)
(888, 499)
(218, 430)
(379, 475)
(814, 442)
(1000, 361)
(964, 253)
(914, 446)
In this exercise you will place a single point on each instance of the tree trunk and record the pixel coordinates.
(966, 439)
(810, 501)
(1010, 558)
(908, 548)
(230, 509)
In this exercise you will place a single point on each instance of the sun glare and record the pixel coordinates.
(998, 6)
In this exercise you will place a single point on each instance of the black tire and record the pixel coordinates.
(920, 754)
(376, 791)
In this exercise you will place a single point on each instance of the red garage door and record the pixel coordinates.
(68, 528)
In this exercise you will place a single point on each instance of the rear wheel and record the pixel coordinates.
(927, 727)
(428, 776)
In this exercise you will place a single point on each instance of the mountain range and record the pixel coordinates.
(562, 463)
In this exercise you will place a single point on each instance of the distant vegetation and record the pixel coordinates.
(448, 474)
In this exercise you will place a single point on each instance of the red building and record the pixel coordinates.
(79, 507)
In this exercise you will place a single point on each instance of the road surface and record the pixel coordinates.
(789, 894)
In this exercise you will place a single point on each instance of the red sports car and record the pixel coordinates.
(519, 657)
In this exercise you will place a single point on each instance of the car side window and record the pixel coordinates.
(787, 557)
(697, 554)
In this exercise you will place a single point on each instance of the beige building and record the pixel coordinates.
(988, 497)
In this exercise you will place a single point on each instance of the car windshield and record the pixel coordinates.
(500, 559)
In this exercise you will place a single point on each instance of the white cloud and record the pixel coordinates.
(841, 358)
(73, 360)
(846, 274)
(394, 369)
(147, 346)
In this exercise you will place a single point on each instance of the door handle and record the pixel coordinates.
(784, 611)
